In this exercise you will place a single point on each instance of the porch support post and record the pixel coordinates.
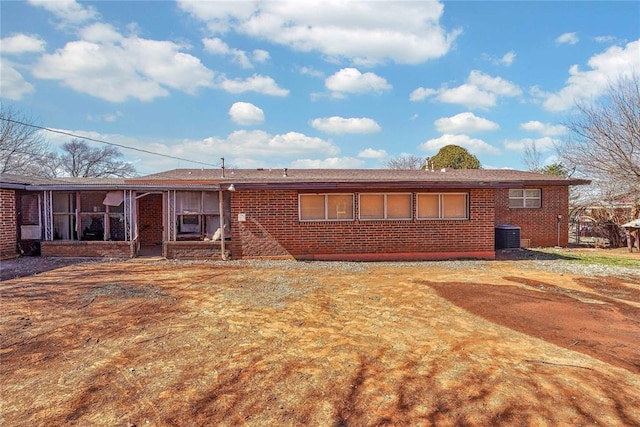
(223, 253)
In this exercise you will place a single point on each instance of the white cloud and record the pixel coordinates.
(329, 163)
(545, 129)
(508, 58)
(116, 68)
(256, 83)
(241, 149)
(109, 117)
(366, 33)
(351, 80)
(100, 33)
(12, 85)
(605, 39)
(496, 85)
(260, 55)
(474, 145)
(67, 11)
(309, 71)
(479, 91)
(542, 144)
(567, 38)
(464, 123)
(21, 43)
(245, 113)
(421, 94)
(340, 125)
(468, 95)
(371, 153)
(218, 47)
(260, 144)
(605, 68)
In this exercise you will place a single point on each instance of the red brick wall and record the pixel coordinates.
(150, 219)
(93, 249)
(538, 224)
(192, 250)
(8, 227)
(272, 228)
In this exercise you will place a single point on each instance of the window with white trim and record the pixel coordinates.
(88, 215)
(443, 206)
(197, 214)
(525, 198)
(381, 206)
(325, 207)
(64, 216)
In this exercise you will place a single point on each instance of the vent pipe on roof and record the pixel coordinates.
(284, 172)
(222, 160)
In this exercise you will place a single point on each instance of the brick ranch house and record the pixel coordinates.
(306, 214)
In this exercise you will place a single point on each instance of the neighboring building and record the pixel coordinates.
(337, 214)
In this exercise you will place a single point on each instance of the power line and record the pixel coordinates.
(106, 142)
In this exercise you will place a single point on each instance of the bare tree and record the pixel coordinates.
(407, 161)
(604, 145)
(81, 160)
(532, 157)
(22, 146)
(604, 142)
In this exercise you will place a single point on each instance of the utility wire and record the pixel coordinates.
(106, 142)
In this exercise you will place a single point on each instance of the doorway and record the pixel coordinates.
(150, 224)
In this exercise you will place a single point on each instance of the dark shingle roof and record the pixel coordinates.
(297, 178)
(300, 179)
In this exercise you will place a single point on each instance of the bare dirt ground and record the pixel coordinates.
(144, 342)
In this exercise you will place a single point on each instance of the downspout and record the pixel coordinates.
(223, 253)
(559, 220)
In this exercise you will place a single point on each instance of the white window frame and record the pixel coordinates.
(326, 207)
(385, 213)
(524, 198)
(441, 207)
(69, 215)
(207, 218)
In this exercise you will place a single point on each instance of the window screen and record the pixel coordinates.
(385, 206)
(443, 206)
(318, 207)
(525, 198)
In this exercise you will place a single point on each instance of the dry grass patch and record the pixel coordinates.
(195, 344)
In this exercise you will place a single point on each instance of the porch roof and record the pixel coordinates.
(87, 184)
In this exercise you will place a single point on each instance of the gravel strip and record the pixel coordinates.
(556, 266)
(25, 266)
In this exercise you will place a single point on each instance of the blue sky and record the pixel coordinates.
(313, 84)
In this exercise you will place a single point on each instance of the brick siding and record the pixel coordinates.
(150, 219)
(272, 228)
(8, 226)
(92, 249)
(192, 250)
(540, 225)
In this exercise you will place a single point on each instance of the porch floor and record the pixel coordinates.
(147, 251)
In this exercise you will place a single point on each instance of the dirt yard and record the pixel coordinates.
(162, 343)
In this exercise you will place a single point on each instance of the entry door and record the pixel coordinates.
(150, 219)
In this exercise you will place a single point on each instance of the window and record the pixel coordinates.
(87, 216)
(385, 206)
(525, 198)
(323, 207)
(29, 209)
(443, 206)
(64, 216)
(197, 214)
